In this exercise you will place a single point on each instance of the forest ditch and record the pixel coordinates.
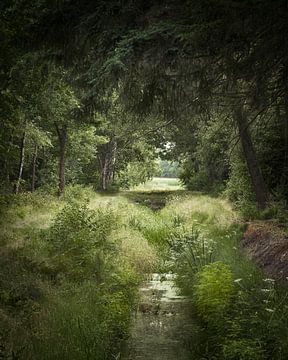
(71, 271)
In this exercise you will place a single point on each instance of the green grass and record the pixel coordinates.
(159, 184)
(255, 318)
(69, 271)
(76, 277)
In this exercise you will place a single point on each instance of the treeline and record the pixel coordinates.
(96, 87)
(167, 169)
(51, 135)
(47, 140)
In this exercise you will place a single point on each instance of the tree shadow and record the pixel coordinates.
(154, 200)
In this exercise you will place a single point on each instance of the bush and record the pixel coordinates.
(214, 290)
(190, 252)
(243, 349)
(200, 181)
(79, 241)
(78, 192)
(239, 190)
(236, 313)
(68, 290)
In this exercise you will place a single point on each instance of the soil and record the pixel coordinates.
(266, 243)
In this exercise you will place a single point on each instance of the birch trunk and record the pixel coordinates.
(21, 163)
(34, 165)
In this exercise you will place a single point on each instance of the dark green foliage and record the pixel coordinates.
(184, 65)
(213, 291)
(205, 167)
(239, 313)
(191, 252)
(79, 241)
(64, 282)
(88, 91)
(239, 189)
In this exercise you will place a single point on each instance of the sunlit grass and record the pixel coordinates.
(141, 238)
(159, 184)
(201, 209)
(135, 249)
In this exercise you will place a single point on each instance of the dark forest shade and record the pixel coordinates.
(148, 74)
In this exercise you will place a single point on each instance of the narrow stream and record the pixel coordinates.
(161, 326)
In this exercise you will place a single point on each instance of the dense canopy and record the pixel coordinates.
(208, 77)
(143, 142)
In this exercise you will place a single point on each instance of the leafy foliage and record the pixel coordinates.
(91, 93)
(79, 241)
(214, 290)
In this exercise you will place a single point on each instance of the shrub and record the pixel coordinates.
(78, 192)
(190, 252)
(243, 349)
(79, 240)
(214, 290)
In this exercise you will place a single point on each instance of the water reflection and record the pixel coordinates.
(161, 324)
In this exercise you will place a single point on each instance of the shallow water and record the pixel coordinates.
(161, 327)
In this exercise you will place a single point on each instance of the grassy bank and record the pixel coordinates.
(160, 184)
(70, 271)
(236, 311)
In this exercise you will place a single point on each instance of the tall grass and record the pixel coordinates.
(70, 271)
(160, 184)
(238, 313)
(68, 287)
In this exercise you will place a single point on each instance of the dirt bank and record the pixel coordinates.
(266, 243)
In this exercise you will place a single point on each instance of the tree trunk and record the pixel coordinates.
(21, 163)
(34, 165)
(257, 179)
(107, 159)
(6, 161)
(285, 165)
(62, 137)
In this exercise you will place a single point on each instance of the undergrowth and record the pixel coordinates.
(70, 271)
(237, 312)
(69, 279)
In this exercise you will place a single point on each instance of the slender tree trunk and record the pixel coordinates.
(105, 182)
(107, 159)
(257, 179)
(34, 165)
(285, 165)
(21, 163)
(62, 137)
(6, 161)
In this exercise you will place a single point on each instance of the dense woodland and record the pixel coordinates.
(89, 90)
(102, 96)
